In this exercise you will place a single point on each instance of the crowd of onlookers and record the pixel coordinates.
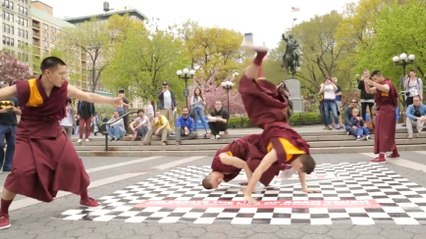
(357, 116)
(161, 121)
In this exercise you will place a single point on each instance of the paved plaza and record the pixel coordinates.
(161, 197)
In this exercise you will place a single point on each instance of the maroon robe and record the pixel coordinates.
(45, 160)
(262, 101)
(247, 149)
(384, 139)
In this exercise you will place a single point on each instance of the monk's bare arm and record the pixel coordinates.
(266, 162)
(74, 92)
(368, 88)
(235, 162)
(8, 92)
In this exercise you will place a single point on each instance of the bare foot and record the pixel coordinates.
(256, 48)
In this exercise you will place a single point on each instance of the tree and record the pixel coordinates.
(144, 59)
(92, 39)
(12, 70)
(396, 30)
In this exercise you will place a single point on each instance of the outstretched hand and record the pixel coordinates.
(118, 101)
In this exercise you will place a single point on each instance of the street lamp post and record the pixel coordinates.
(227, 85)
(185, 74)
(403, 60)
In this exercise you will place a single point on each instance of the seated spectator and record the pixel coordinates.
(218, 120)
(416, 116)
(358, 125)
(347, 116)
(140, 125)
(160, 127)
(185, 126)
(116, 128)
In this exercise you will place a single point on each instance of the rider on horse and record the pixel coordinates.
(292, 51)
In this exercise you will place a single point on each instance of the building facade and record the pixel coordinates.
(46, 34)
(16, 28)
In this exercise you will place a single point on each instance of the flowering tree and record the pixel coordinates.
(12, 70)
(212, 92)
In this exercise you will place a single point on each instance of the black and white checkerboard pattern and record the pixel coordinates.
(402, 202)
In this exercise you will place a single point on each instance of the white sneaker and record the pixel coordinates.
(79, 140)
(87, 140)
(213, 137)
(217, 136)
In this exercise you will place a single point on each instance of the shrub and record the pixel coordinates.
(302, 118)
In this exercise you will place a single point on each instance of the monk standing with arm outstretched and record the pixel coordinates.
(45, 160)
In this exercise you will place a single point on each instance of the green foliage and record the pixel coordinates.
(303, 118)
(143, 60)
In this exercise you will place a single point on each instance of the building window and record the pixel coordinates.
(12, 42)
(45, 27)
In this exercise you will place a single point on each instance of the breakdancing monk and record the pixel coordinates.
(268, 109)
(386, 99)
(241, 154)
(45, 160)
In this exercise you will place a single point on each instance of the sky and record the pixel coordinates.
(267, 19)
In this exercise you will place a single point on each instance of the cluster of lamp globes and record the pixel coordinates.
(185, 73)
(227, 84)
(404, 58)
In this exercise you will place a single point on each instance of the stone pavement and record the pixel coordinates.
(42, 221)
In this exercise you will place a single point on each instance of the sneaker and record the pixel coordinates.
(367, 137)
(393, 155)
(358, 138)
(410, 137)
(145, 143)
(87, 140)
(348, 133)
(91, 202)
(217, 136)
(378, 160)
(79, 140)
(163, 143)
(4, 222)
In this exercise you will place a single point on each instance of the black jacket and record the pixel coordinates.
(364, 94)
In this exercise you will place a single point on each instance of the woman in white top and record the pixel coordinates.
(413, 86)
(329, 91)
(197, 105)
(68, 121)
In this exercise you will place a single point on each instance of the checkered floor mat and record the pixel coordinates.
(351, 193)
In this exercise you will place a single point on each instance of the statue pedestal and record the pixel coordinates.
(293, 86)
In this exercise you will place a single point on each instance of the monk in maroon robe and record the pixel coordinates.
(241, 154)
(268, 108)
(386, 98)
(45, 160)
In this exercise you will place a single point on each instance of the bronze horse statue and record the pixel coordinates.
(291, 56)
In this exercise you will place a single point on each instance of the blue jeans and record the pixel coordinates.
(331, 105)
(115, 132)
(362, 131)
(9, 133)
(199, 114)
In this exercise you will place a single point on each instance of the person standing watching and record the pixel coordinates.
(123, 109)
(197, 104)
(86, 111)
(8, 123)
(413, 86)
(366, 99)
(167, 103)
